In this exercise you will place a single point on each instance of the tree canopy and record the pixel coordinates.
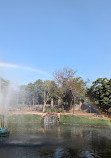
(100, 93)
(66, 90)
(72, 87)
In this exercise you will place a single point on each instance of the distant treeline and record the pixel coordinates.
(66, 90)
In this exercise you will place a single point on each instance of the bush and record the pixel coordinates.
(54, 110)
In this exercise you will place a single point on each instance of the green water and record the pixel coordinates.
(29, 140)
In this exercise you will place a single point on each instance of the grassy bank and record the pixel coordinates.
(82, 120)
(20, 118)
(64, 119)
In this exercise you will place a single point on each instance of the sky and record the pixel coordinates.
(39, 37)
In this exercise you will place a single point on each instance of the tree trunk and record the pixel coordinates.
(80, 105)
(62, 108)
(59, 101)
(74, 106)
(44, 106)
(44, 103)
(52, 103)
(71, 107)
(33, 101)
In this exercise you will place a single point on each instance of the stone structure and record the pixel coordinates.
(50, 120)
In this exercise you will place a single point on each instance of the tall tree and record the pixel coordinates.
(68, 82)
(100, 93)
(50, 92)
(30, 94)
(39, 90)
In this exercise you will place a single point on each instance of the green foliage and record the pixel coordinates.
(65, 90)
(32, 93)
(54, 110)
(71, 87)
(51, 90)
(100, 93)
(38, 89)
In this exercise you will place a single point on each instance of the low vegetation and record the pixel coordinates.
(100, 94)
(64, 119)
(26, 118)
(55, 110)
(82, 120)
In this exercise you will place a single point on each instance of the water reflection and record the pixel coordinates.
(31, 140)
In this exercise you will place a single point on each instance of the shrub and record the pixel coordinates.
(54, 110)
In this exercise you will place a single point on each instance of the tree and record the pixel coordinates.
(70, 84)
(22, 95)
(30, 94)
(50, 92)
(100, 93)
(39, 90)
(46, 93)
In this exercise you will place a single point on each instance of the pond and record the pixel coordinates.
(32, 141)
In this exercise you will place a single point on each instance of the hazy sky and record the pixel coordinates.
(48, 35)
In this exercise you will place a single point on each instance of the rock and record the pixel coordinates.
(50, 120)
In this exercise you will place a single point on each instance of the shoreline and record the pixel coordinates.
(74, 124)
(66, 119)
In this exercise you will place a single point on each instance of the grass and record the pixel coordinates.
(20, 118)
(72, 119)
(68, 119)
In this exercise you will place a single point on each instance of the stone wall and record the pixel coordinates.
(50, 120)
